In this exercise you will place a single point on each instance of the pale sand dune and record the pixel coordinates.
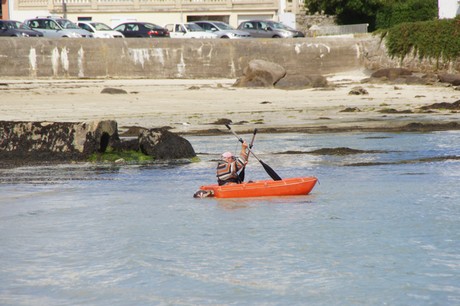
(191, 105)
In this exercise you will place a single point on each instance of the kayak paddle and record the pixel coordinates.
(267, 168)
(241, 174)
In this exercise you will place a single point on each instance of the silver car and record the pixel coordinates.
(99, 29)
(57, 27)
(221, 29)
(268, 29)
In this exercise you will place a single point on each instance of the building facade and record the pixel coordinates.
(114, 12)
(448, 9)
(161, 12)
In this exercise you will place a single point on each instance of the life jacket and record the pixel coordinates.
(229, 171)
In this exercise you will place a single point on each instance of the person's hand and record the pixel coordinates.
(244, 145)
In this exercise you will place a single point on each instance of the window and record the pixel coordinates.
(85, 27)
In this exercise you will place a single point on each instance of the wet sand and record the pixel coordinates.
(202, 106)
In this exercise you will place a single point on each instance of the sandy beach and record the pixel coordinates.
(198, 106)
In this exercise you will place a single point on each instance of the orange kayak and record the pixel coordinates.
(285, 187)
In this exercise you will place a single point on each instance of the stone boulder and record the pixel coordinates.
(399, 76)
(391, 73)
(358, 90)
(260, 73)
(55, 141)
(163, 144)
(453, 79)
(295, 81)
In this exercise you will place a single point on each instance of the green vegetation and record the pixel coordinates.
(379, 14)
(395, 12)
(347, 11)
(128, 156)
(437, 40)
(410, 27)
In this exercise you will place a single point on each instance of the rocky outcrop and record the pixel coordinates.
(295, 81)
(163, 144)
(400, 76)
(391, 73)
(358, 90)
(54, 141)
(36, 142)
(260, 73)
(453, 79)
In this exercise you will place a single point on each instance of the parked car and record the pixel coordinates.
(268, 29)
(99, 29)
(188, 30)
(221, 29)
(57, 27)
(17, 29)
(141, 29)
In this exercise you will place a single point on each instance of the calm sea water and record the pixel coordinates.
(384, 234)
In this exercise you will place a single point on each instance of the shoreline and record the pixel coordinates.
(201, 107)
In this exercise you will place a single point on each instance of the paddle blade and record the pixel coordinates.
(270, 171)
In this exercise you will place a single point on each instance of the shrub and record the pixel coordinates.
(396, 12)
(437, 39)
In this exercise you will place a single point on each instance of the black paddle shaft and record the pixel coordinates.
(242, 173)
(267, 168)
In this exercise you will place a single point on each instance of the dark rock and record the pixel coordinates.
(350, 110)
(391, 73)
(341, 151)
(260, 73)
(453, 79)
(358, 91)
(293, 81)
(55, 141)
(113, 91)
(255, 79)
(222, 121)
(422, 127)
(415, 80)
(162, 144)
(443, 105)
(125, 144)
(395, 111)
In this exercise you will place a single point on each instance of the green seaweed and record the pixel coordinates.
(129, 156)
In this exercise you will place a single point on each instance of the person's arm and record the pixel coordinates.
(244, 151)
(242, 160)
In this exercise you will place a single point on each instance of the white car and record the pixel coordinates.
(99, 29)
(57, 27)
(187, 30)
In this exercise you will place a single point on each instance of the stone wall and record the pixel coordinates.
(190, 58)
(304, 21)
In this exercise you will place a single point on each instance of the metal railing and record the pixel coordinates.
(339, 29)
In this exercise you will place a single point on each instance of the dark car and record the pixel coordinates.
(141, 29)
(269, 29)
(15, 28)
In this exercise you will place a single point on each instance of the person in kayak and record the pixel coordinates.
(228, 167)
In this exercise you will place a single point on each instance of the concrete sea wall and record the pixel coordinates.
(187, 58)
